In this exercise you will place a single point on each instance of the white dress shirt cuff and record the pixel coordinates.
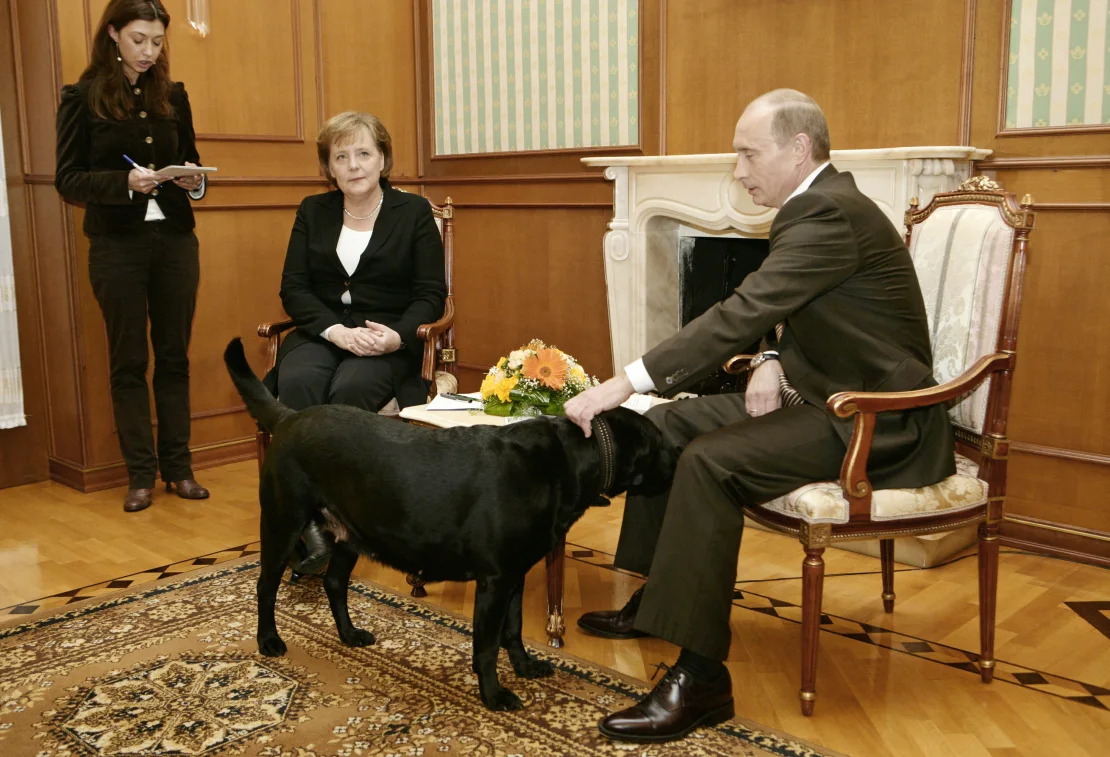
(638, 375)
(327, 331)
(198, 193)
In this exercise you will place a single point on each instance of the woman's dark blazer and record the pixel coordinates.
(92, 170)
(399, 281)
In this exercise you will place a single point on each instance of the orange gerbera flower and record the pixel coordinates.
(547, 366)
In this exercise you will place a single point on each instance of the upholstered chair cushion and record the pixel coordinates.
(961, 253)
(824, 502)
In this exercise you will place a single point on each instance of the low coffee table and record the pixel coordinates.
(422, 416)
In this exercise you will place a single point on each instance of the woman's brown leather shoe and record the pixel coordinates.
(137, 499)
(187, 489)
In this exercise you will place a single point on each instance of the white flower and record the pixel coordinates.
(516, 359)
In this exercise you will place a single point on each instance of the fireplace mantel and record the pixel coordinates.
(658, 199)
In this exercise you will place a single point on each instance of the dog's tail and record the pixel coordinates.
(262, 405)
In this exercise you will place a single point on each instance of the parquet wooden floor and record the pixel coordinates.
(887, 684)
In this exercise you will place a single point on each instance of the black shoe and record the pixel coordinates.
(317, 551)
(614, 624)
(679, 704)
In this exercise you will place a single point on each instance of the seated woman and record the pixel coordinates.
(363, 271)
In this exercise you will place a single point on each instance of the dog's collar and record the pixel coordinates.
(604, 436)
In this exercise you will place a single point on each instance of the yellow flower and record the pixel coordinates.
(505, 385)
(578, 373)
(548, 366)
(488, 384)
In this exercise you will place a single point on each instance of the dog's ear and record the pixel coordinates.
(645, 465)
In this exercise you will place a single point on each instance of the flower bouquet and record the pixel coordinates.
(534, 380)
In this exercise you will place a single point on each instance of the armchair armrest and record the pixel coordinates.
(430, 334)
(865, 406)
(737, 364)
(273, 331)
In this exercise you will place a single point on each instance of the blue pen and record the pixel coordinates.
(136, 166)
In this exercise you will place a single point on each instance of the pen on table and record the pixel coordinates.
(459, 397)
(136, 166)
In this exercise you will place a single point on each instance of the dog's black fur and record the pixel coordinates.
(480, 503)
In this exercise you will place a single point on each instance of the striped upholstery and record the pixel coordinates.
(961, 253)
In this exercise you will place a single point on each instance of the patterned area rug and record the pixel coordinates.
(173, 670)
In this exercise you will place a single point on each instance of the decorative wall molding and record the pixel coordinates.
(1066, 454)
(1061, 161)
(967, 71)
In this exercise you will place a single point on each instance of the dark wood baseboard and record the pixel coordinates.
(88, 480)
(1069, 542)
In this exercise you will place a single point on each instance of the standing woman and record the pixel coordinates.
(143, 255)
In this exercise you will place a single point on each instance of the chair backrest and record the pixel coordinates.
(968, 248)
(444, 355)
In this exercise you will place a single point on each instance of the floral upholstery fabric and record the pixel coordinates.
(961, 254)
(824, 502)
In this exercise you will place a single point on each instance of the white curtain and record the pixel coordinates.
(11, 380)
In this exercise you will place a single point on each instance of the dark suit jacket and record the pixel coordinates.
(840, 276)
(92, 170)
(399, 281)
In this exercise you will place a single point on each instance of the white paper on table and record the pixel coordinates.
(439, 402)
(640, 403)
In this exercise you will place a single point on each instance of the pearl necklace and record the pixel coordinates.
(372, 214)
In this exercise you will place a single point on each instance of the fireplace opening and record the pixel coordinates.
(709, 269)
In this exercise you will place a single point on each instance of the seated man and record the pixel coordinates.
(840, 281)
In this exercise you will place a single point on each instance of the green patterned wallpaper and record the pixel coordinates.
(513, 75)
(1059, 63)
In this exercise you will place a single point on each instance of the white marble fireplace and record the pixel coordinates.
(659, 200)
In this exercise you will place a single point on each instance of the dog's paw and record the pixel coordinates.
(357, 637)
(530, 667)
(271, 646)
(502, 700)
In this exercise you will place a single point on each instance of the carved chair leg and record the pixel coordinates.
(886, 555)
(417, 584)
(555, 567)
(988, 595)
(813, 581)
(261, 442)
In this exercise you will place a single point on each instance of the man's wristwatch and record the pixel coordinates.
(762, 358)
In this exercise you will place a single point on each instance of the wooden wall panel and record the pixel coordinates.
(22, 450)
(886, 74)
(367, 63)
(1059, 425)
(243, 79)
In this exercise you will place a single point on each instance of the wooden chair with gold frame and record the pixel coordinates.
(969, 250)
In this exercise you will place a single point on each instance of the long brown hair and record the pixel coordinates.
(109, 90)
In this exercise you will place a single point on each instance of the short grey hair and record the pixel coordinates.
(796, 113)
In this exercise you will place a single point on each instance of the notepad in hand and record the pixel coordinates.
(176, 172)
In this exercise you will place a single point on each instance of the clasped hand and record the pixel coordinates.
(373, 339)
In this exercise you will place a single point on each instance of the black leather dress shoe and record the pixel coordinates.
(614, 624)
(675, 707)
(316, 549)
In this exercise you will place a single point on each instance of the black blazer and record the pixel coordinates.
(91, 168)
(840, 276)
(399, 281)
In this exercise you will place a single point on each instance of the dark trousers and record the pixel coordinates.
(319, 373)
(155, 273)
(687, 541)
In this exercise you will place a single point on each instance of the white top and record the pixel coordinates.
(636, 372)
(350, 247)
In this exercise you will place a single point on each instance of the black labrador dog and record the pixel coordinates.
(481, 503)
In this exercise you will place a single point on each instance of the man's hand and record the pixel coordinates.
(582, 409)
(762, 395)
(356, 341)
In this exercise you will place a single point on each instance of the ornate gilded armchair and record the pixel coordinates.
(969, 249)
(439, 366)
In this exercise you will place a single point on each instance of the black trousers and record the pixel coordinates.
(152, 273)
(687, 541)
(319, 373)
